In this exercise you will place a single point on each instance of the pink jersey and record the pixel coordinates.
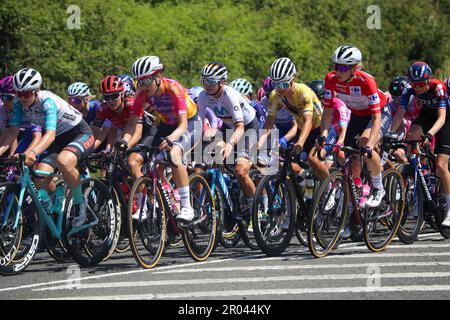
(341, 115)
(173, 101)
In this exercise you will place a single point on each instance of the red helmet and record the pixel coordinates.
(111, 84)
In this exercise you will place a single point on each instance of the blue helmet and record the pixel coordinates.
(419, 71)
(129, 84)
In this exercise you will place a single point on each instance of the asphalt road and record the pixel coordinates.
(418, 271)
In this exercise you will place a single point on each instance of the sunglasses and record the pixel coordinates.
(419, 84)
(6, 97)
(210, 82)
(111, 97)
(145, 83)
(341, 67)
(25, 94)
(281, 85)
(76, 101)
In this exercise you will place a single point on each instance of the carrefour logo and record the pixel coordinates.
(374, 99)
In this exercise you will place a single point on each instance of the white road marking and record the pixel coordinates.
(263, 292)
(311, 266)
(164, 283)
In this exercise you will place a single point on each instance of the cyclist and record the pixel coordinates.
(359, 91)
(246, 90)
(176, 133)
(237, 116)
(29, 134)
(433, 120)
(67, 139)
(116, 108)
(81, 99)
(340, 117)
(299, 100)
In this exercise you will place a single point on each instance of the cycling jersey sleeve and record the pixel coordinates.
(235, 107)
(51, 114)
(328, 92)
(440, 95)
(212, 119)
(178, 98)
(308, 98)
(273, 105)
(35, 128)
(138, 105)
(406, 96)
(373, 95)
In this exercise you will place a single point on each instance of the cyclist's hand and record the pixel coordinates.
(30, 158)
(121, 145)
(298, 148)
(283, 143)
(226, 150)
(367, 151)
(337, 148)
(320, 141)
(427, 138)
(166, 144)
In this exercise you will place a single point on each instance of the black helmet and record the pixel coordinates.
(318, 86)
(397, 85)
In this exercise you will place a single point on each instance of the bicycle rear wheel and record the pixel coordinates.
(326, 221)
(199, 236)
(381, 223)
(148, 228)
(92, 244)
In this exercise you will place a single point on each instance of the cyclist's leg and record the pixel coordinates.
(443, 150)
(319, 167)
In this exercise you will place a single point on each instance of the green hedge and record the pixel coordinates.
(246, 35)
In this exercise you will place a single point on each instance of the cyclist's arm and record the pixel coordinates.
(137, 136)
(238, 133)
(326, 121)
(130, 128)
(375, 131)
(305, 129)
(99, 135)
(9, 137)
(181, 129)
(267, 129)
(342, 134)
(45, 142)
(442, 113)
(292, 133)
(111, 138)
(398, 119)
(36, 138)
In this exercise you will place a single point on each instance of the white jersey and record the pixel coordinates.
(230, 107)
(49, 111)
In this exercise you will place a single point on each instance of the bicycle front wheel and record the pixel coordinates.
(329, 215)
(199, 236)
(146, 223)
(381, 223)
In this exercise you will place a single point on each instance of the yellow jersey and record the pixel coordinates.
(305, 102)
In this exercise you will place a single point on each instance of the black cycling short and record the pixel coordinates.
(426, 121)
(79, 140)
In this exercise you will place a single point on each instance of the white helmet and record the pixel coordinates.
(27, 80)
(347, 55)
(78, 89)
(243, 86)
(146, 66)
(215, 71)
(282, 70)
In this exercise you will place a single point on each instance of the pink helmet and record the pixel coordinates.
(260, 94)
(6, 85)
(268, 85)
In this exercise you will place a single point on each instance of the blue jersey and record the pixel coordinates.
(94, 105)
(261, 112)
(432, 100)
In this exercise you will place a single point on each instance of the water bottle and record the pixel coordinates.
(45, 200)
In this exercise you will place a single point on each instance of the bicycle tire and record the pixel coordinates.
(265, 231)
(318, 246)
(205, 220)
(394, 201)
(150, 231)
